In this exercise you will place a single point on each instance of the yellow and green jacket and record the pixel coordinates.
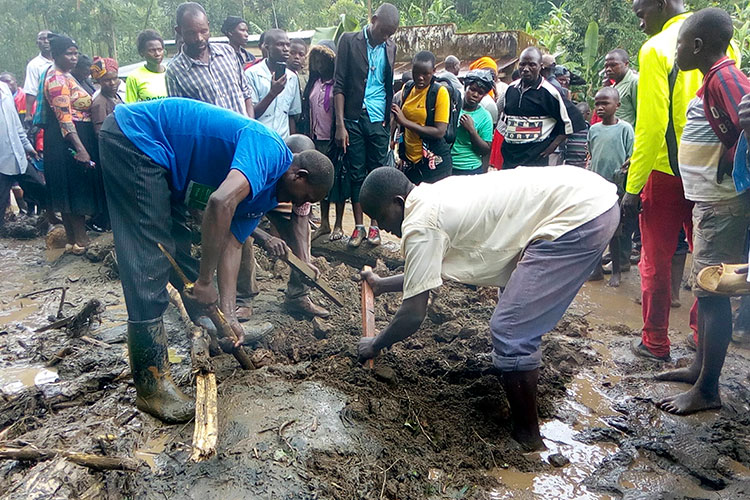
(656, 60)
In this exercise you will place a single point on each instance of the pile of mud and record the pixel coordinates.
(429, 421)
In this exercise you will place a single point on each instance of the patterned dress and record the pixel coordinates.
(73, 187)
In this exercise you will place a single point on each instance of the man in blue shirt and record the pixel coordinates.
(161, 158)
(363, 91)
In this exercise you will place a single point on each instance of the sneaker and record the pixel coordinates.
(642, 351)
(358, 236)
(373, 236)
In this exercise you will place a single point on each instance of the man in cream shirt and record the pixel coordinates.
(537, 233)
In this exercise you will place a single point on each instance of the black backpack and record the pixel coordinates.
(456, 103)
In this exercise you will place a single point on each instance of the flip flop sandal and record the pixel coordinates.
(723, 280)
(78, 249)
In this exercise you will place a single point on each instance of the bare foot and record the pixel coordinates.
(689, 402)
(687, 375)
(323, 229)
(614, 281)
(337, 234)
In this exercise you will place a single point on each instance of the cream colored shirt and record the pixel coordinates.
(474, 229)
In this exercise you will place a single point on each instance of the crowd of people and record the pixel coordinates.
(246, 145)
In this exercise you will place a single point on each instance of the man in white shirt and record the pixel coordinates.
(276, 100)
(536, 233)
(35, 70)
(14, 148)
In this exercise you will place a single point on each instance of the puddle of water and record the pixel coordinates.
(18, 310)
(562, 483)
(643, 475)
(52, 254)
(151, 449)
(616, 305)
(16, 379)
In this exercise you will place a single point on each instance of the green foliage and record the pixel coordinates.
(554, 31)
(742, 33)
(428, 12)
(109, 27)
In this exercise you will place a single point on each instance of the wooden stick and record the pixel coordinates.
(206, 430)
(176, 300)
(30, 454)
(308, 273)
(368, 312)
(215, 315)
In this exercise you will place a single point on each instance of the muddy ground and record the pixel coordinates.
(430, 422)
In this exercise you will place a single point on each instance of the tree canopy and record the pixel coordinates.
(110, 27)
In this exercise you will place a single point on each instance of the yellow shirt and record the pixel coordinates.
(656, 59)
(415, 110)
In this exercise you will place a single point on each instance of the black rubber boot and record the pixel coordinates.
(157, 394)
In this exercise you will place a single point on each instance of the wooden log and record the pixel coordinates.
(368, 313)
(206, 431)
(307, 271)
(365, 255)
(30, 454)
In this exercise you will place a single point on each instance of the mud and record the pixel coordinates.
(431, 421)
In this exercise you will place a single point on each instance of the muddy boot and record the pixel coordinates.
(157, 394)
(521, 390)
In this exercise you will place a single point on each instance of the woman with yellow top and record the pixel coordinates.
(148, 82)
(71, 153)
(424, 118)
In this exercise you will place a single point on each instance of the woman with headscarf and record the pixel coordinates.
(488, 102)
(74, 179)
(104, 72)
(148, 82)
(235, 29)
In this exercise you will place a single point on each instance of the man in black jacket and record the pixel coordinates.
(363, 91)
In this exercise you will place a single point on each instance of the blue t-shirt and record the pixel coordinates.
(374, 101)
(200, 143)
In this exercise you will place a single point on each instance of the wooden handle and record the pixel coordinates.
(307, 271)
(368, 312)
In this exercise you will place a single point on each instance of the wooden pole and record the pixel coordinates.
(206, 430)
(368, 312)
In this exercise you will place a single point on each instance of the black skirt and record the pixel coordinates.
(73, 187)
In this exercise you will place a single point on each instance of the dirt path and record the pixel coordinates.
(429, 422)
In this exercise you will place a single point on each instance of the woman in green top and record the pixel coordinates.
(472, 147)
(148, 82)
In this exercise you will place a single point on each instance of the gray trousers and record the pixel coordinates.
(143, 214)
(541, 288)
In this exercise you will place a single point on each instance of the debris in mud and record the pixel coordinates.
(79, 324)
(24, 227)
(429, 422)
(558, 460)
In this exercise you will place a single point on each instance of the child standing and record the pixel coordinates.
(721, 215)
(610, 143)
(104, 71)
(474, 134)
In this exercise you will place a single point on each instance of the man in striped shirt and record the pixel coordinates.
(208, 72)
